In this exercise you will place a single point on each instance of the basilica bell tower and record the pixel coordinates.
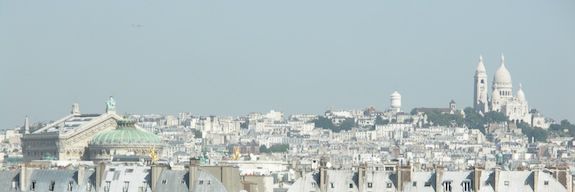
(480, 88)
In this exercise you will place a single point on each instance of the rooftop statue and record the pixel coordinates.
(110, 105)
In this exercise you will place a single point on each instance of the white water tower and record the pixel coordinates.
(395, 99)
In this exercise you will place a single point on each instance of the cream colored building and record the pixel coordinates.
(70, 137)
(502, 99)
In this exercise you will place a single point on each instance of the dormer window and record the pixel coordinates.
(33, 186)
(126, 186)
(466, 184)
(447, 186)
(107, 187)
(369, 185)
(70, 185)
(52, 186)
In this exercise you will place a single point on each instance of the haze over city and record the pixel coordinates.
(287, 96)
(232, 58)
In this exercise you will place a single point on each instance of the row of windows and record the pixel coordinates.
(42, 143)
(37, 153)
(201, 182)
(369, 185)
(51, 186)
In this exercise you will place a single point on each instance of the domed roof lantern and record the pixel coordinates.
(502, 75)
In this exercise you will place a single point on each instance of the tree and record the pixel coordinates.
(264, 149)
(326, 123)
(533, 132)
(445, 119)
(475, 120)
(495, 117)
(276, 148)
(197, 133)
(323, 122)
(244, 124)
(380, 121)
(562, 126)
(347, 124)
(279, 148)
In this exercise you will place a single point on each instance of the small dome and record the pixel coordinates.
(502, 75)
(125, 134)
(395, 94)
(520, 93)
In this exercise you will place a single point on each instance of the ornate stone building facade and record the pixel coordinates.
(68, 138)
(502, 99)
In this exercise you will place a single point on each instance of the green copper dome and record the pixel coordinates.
(125, 134)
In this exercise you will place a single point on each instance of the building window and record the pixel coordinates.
(33, 186)
(546, 182)
(415, 183)
(369, 185)
(107, 187)
(126, 186)
(164, 181)
(506, 183)
(201, 182)
(52, 186)
(351, 185)
(466, 185)
(389, 185)
(427, 184)
(447, 186)
(70, 185)
(331, 184)
(144, 186)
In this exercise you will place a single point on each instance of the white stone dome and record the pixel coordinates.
(521, 94)
(502, 75)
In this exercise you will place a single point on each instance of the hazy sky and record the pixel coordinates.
(297, 56)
